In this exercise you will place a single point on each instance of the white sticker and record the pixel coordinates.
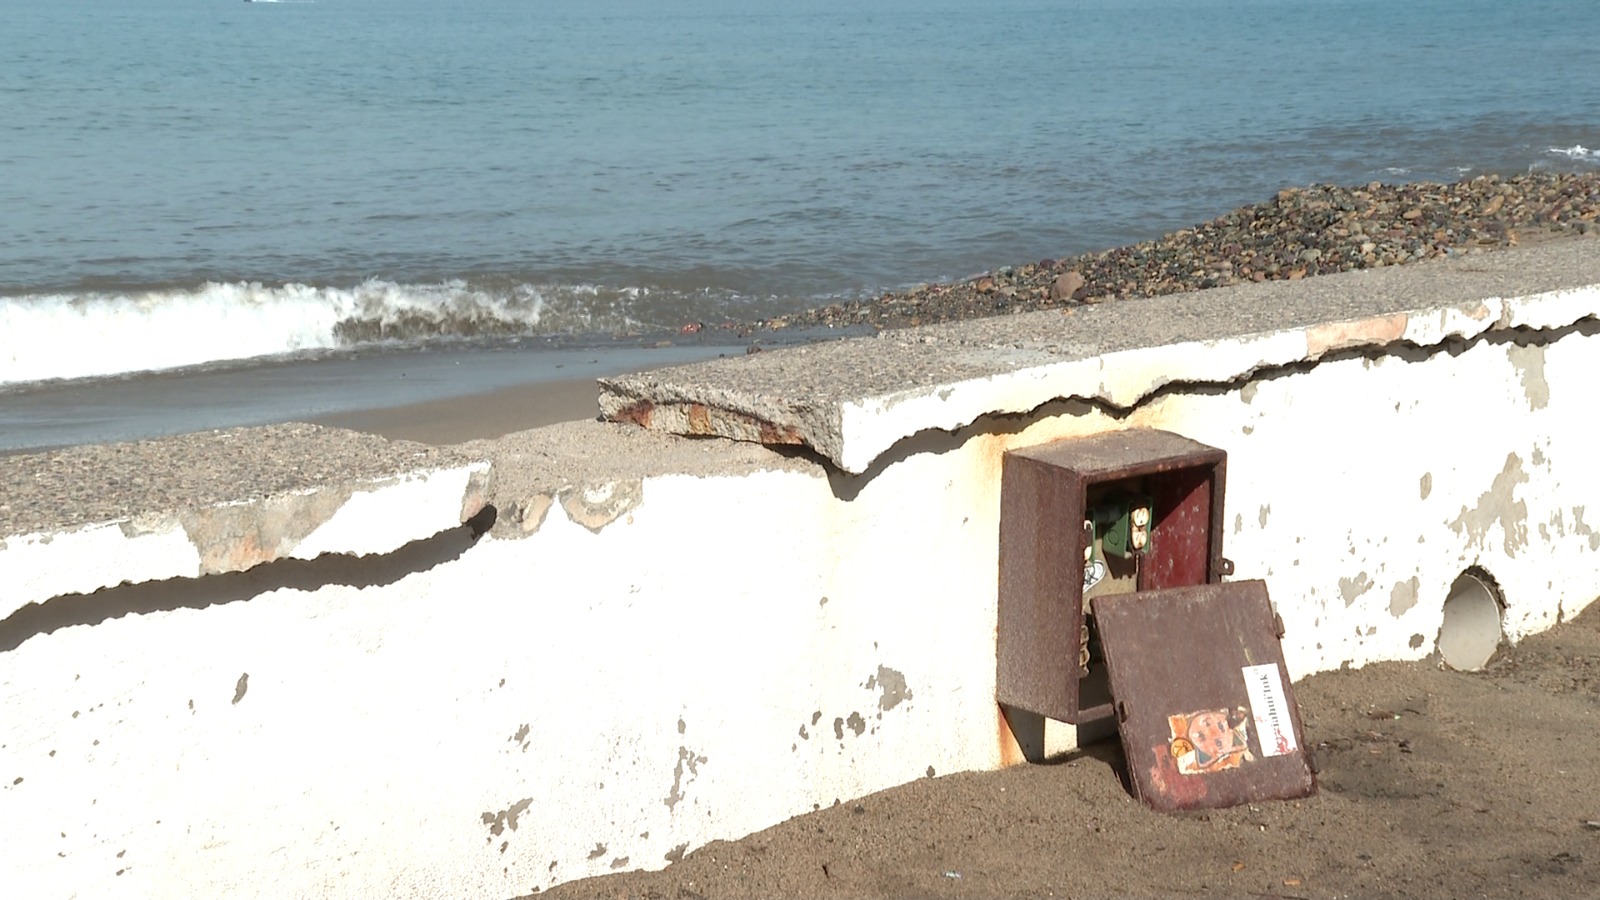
(1094, 573)
(1270, 709)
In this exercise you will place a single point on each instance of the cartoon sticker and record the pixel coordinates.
(1210, 740)
(1270, 709)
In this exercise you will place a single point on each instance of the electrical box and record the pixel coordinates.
(1121, 512)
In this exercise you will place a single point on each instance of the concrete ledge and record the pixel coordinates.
(86, 518)
(876, 392)
(595, 470)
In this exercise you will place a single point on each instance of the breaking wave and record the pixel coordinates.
(98, 334)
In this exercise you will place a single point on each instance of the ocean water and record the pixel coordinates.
(198, 182)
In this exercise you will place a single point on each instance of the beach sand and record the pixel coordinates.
(454, 420)
(441, 396)
(1434, 784)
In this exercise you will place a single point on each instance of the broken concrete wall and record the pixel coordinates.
(665, 641)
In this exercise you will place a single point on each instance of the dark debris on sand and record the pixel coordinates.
(1300, 233)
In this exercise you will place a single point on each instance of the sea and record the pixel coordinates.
(237, 212)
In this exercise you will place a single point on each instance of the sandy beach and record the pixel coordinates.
(1434, 784)
(476, 416)
(444, 396)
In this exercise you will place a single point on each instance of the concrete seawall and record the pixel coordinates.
(301, 661)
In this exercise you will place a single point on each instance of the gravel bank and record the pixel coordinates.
(1300, 233)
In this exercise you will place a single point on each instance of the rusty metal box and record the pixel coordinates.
(1045, 494)
(1204, 704)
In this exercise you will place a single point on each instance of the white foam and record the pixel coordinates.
(50, 336)
(1577, 151)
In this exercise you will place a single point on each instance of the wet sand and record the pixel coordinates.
(454, 420)
(438, 396)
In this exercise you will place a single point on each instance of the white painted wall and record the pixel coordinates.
(735, 650)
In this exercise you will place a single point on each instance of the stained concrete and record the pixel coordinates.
(840, 399)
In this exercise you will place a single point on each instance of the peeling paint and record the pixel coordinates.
(892, 684)
(1580, 528)
(1248, 392)
(1427, 484)
(1262, 518)
(686, 759)
(1352, 588)
(1403, 596)
(239, 687)
(598, 851)
(597, 505)
(675, 855)
(1417, 641)
(1529, 363)
(1497, 506)
(498, 822)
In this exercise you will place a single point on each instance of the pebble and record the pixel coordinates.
(1298, 233)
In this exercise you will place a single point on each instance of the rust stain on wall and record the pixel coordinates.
(701, 419)
(1016, 736)
(640, 413)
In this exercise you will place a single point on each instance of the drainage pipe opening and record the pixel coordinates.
(1471, 631)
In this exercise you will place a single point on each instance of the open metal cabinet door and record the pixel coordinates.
(1203, 701)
